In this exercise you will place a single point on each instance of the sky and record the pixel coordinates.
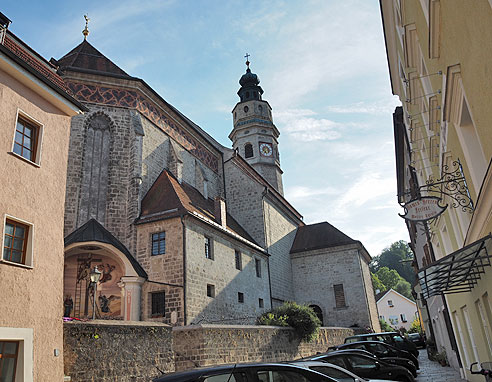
(322, 66)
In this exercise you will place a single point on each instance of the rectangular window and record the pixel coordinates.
(158, 303)
(239, 263)
(158, 243)
(8, 360)
(208, 248)
(26, 139)
(240, 297)
(258, 267)
(339, 296)
(210, 290)
(403, 317)
(261, 304)
(15, 242)
(390, 303)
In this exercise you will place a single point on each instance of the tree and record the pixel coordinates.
(397, 256)
(389, 277)
(415, 327)
(385, 327)
(377, 284)
(403, 287)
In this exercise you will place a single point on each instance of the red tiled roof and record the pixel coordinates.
(168, 198)
(32, 61)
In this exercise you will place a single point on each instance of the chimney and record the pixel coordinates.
(220, 211)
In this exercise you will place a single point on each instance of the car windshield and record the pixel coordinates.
(236, 377)
(334, 373)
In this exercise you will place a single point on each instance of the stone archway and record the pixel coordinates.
(318, 312)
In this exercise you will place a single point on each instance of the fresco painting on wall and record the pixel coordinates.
(79, 292)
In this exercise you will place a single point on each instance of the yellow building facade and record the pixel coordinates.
(440, 63)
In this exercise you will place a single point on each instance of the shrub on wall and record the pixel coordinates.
(300, 317)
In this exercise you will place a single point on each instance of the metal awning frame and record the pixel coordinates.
(458, 272)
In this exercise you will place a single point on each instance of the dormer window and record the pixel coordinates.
(248, 150)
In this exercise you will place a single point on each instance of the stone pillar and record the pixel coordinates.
(132, 295)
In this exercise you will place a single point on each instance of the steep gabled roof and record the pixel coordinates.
(85, 58)
(168, 198)
(94, 231)
(317, 236)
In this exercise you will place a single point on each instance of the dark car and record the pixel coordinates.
(255, 372)
(393, 338)
(381, 350)
(417, 339)
(368, 367)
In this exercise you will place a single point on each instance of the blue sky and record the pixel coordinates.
(322, 65)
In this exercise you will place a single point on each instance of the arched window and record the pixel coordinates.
(318, 312)
(248, 150)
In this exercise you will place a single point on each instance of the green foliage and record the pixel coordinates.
(389, 277)
(377, 283)
(415, 327)
(300, 317)
(397, 256)
(403, 287)
(385, 327)
(272, 319)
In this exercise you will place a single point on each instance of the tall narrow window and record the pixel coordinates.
(15, 242)
(339, 296)
(240, 297)
(158, 243)
(26, 139)
(210, 290)
(158, 302)
(248, 150)
(261, 304)
(239, 264)
(258, 267)
(208, 248)
(8, 360)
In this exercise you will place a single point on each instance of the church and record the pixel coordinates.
(182, 230)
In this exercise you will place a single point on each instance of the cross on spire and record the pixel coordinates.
(247, 59)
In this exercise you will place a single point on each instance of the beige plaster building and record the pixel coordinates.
(35, 116)
(439, 59)
(396, 309)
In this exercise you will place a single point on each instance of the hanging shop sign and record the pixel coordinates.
(423, 209)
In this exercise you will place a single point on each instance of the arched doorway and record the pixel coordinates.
(318, 312)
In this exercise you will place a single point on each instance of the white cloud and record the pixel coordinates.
(375, 108)
(301, 125)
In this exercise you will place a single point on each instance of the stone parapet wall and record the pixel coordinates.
(103, 351)
(115, 351)
(205, 345)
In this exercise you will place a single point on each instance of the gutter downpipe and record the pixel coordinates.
(184, 271)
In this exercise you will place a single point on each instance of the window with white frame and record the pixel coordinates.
(17, 241)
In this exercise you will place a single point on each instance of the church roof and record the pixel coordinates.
(168, 198)
(94, 231)
(85, 58)
(318, 236)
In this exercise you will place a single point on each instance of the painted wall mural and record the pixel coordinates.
(79, 292)
(134, 99)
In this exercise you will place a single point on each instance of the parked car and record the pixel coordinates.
(417, 339)
(392, 338)
(255, 372)
(334, 371)
(363, 365)
(381, 350)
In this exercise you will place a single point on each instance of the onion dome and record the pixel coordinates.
(250, 89)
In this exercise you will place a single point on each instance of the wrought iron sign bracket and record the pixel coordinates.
(452, 183)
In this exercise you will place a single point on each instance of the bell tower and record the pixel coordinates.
(254, 135)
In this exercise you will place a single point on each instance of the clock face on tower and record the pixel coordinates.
(266, 149)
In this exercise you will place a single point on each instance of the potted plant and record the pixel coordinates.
(441, 357)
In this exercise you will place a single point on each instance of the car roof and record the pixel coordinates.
(194, 374)
(341, 351)
(326, 364)
(372, 334)
(368, 342)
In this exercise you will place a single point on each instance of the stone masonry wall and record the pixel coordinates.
(205, 345)
(373, 309)
(222, 274)
(116, 351)
(316, 272)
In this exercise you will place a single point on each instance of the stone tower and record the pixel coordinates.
(254, 135)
